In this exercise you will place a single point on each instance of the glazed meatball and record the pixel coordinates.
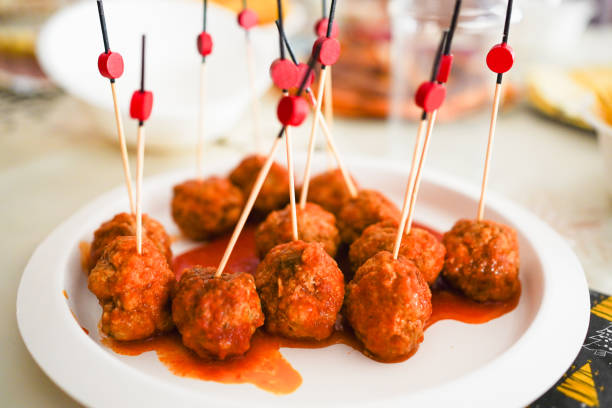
(301, 290)
(388, 304)
(419, 246)
(124, 224)
(133, 290)
(216, 316)
(369, 207)
(314, 225)
(274, 192)
(205, 209)
(482, 260)
(329, 190)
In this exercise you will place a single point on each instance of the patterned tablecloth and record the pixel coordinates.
(588, 382)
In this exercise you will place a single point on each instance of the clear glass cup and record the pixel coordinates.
(416, 29)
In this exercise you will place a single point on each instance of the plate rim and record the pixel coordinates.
(81, 390)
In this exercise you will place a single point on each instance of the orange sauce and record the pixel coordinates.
(263, 365)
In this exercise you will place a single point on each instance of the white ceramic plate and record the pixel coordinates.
(70, 42)
(507, 362)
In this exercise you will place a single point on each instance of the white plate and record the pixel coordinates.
(507, 362)
(70, 42)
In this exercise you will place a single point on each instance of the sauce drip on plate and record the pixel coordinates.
(263, 365)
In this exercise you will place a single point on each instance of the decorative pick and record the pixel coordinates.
(110, 65)
(141, 106)
(499, 60)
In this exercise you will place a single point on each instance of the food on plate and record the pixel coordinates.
(314, 225)
(301, 290)
(482, 260)
(216, 316)
(274, 193)
(133, 290)
(124, 224)
(369, 207)
(328, 189)
(388, 304)
(204, 209)
(419, 246)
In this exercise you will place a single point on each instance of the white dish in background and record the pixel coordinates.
(70, 42)
(507, 362)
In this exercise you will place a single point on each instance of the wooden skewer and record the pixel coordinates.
(409, 188)
(201, 123)
(261, 177)
(294, 223)
(311, 140)
(112, 76)
(139, 171)
(329, 113)
(485, 176)
(500, 59)
(417, 180)
(123, 147)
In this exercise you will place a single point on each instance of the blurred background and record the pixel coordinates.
(58, 149)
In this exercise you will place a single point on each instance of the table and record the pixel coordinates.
(52, 162)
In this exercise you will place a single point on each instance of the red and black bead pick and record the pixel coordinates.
(284, 73)
(430, 96)
(329, 50)
(110, 64)
(446, 64)
(204, 44)
(500, 58)
(292, 110)
(247, 19)
(204, 41)
(320, 28)
(301, 67)
(141, 103)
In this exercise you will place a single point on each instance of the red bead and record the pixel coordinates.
(430, 96)
(110, 65)
(501, 58)
(320, 28)
(330, 50)
(247, 19)
(446, 63)
(302, 69)
(292, 110)
(284, 73)
(204, 43)
(141, 105)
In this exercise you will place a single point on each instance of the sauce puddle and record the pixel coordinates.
(263, 365)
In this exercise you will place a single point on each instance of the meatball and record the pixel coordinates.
(329, 190)
(369, 207)
(124, 224)
(301, 290)
(133, 290)
(420, 246)
(314, 225)
(388, 304)
(216, 316)
(205, 209)
(274, 192)
(482, 260)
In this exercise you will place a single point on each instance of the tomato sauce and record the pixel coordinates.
(263, 365)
